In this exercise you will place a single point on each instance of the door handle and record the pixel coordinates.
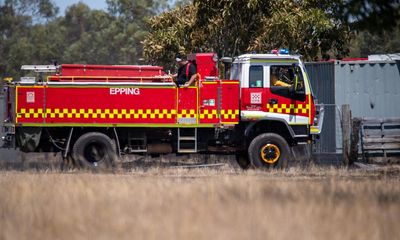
(273, 101)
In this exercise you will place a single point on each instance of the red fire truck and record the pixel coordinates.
(94, 113)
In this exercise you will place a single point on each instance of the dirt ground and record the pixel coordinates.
(168, 199)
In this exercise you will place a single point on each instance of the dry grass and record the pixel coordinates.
(165, 203)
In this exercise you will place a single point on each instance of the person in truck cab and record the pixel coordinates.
(276, 81)
(187, 72)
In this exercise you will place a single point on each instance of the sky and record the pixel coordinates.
(93, 4)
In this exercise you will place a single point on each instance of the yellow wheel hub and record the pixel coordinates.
(270, 153)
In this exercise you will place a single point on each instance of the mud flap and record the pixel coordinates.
(28, 138)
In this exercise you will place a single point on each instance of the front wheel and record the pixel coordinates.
(94, 151)
(269, 150)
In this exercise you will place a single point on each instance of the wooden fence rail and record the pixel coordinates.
(380, 139)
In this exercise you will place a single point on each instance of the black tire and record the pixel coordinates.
(269, 150)
(95, 151)
(243, 161)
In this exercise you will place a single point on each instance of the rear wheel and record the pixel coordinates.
(269, 150)
(95, 150)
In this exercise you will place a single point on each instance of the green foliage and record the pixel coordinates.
(35, 9)
(366, 43)
(311, 28)
(19, 43)
(32, 33)
(375, 16)
(377, 40)
(171, 34)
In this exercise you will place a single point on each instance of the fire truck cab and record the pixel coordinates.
(94, 113)
(277, 106)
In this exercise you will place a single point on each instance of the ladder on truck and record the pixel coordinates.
(187, 140)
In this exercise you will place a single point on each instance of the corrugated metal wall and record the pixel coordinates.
(371, 88)
(322, 78)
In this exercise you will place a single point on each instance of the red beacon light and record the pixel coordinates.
(282, 51)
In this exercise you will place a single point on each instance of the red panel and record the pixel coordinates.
(266, 95)
(101, 105)
(29, 99)
(248, 104)
(230, 101)
(127, 105)
(111, 105)
(298, 105)
(208, 105)
(206, 67)
(110, 70)
(187, 105)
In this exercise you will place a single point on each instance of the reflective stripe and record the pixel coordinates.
(65, 113)
(209, 114)
(186, 113)
(61, 113)
(229, 114)
(288, 108)
(174, 125)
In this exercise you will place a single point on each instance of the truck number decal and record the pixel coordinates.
(124, 91)
(30, 97)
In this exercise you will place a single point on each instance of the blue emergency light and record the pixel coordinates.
(283, 51)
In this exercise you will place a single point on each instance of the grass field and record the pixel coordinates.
(224, 203)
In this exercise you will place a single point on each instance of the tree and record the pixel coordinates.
(132, 17)
(170, 33)
(37, 10)
(367, 42)
(112, 37)
(311, 28)
(88, 35)
(31, 33)
(17, 27)
(374, 16)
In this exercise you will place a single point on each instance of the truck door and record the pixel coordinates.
(187, 105)
(253, 90)
(208, 102)
(286, 95)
